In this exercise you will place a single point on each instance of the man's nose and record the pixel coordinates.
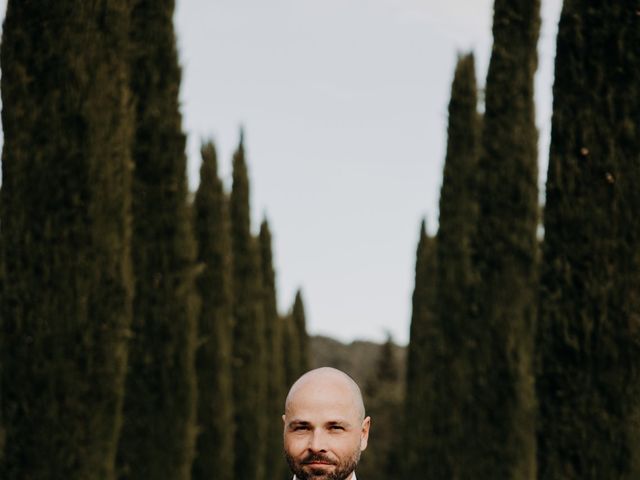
(317, 441)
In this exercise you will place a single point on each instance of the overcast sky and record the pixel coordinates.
(344, 105)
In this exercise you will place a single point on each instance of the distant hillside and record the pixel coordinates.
(358, 358)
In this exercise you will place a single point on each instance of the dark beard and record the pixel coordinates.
(341, 472)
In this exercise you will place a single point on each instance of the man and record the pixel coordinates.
(325, 428)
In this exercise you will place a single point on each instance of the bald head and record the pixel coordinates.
(328, 381)
(324, 426)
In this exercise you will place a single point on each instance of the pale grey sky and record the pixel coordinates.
(344, 104)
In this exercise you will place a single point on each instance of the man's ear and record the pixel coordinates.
(364, 436)
(284, 422)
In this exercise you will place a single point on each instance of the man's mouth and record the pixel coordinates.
(318, 461)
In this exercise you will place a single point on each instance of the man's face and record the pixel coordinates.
(324, 432)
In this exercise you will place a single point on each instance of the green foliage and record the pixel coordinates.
(383, 397)
(588, 342)
(458, 205)
(506, 254)
(297, 356)
(448, 351)
(380, 371)
(386, 369)
(299, 321)
(158, 437)
(66, 211)
(249, 346)
(357, 359)
(214, 452)
(291, 344)
(2, 286)
(424, 355)
(276, 467)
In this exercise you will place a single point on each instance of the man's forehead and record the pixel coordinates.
(316, 420)
(327, 391)
(322, 416)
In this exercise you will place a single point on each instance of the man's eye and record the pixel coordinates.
(300, 427)
(336, 427)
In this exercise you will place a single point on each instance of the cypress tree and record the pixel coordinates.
(2, 275)
(158, 434)
(423, 355)
(299, 321)
(291, 344)
(383, 401)
(214, 457)
(3, 434)
(296, 342)
(588, 340)
(276, 467)
(249, 348)
(505, 253)
(450, 365)
(66, 226)
(458, 206)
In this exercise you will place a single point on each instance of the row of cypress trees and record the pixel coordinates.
(588, 333)
(66, 306)
(241, 334)
(140, 336)
(513, 373)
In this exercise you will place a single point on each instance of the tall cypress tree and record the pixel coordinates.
(66, 226)
(458, 205)
(249, 348)
(291, 344)
(299, 321)
(451, 365)
(3, 434)
(588, 339)
(383, 394)
(160, 406)
(214, 454)
(276, 467)
(423, 355)
(2, 276)
(296, 342)
(505, 252)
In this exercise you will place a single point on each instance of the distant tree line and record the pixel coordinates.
(524, 356)
(139, 331)
(379, 370)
